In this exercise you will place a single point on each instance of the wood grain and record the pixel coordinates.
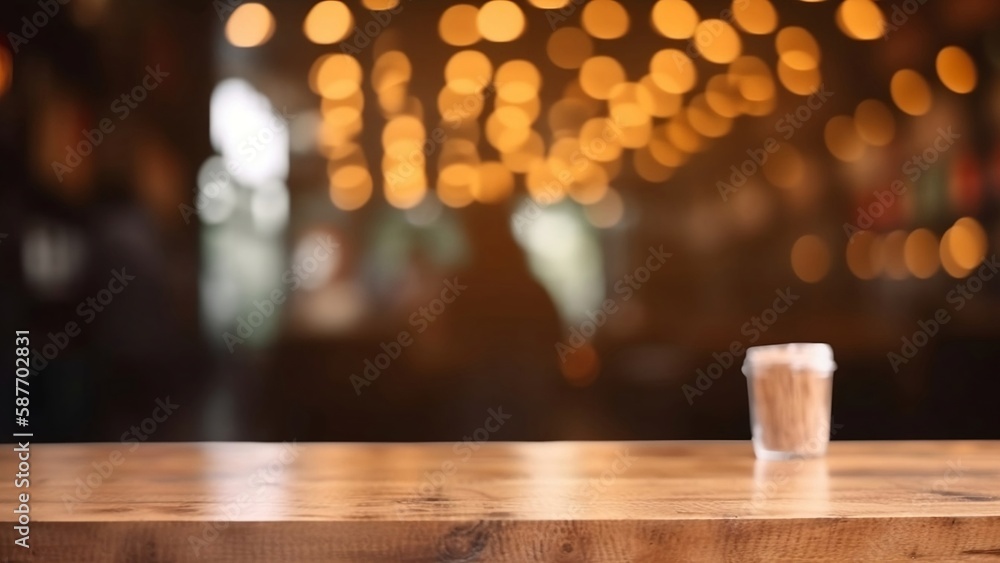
(555, 501)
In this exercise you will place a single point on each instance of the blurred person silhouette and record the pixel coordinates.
(501, 332)
(481, 337)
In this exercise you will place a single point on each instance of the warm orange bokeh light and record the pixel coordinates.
(810, 258)
(956, 70)
(328, 22)
(250, 25)
(910, 92)
(500, 21)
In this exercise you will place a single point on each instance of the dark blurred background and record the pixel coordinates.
(316, 221)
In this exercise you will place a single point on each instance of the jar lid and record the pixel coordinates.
(812, 355)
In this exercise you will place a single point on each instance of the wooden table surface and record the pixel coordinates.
(554, 501)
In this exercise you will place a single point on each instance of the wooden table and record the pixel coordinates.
(556, 501)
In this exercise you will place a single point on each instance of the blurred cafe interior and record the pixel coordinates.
(388, 220)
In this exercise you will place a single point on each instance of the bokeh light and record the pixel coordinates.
(797, 48)
(589, 184)
(752, 78)
(683, 136)
(468, 72)
(521, 158)
(673, 71)
(517, 81)
(606, 212)
(494, 183)
(810, 258)
(801, 82)
(6, 69)
(599, 75)
(655, 101)
(649, 168)
(705, 120)
(392, 70)
(921, 253)
(717, 41)
(674, 19)
(350, 187)
(500, 21)
(250, 25)
(328, 22)
(663, 150)
(842, 139)
(508, 128)
(874, 123)
(569, 47)
(956, 69)
(967, 243)
(910, 92)
(893, 255)
(861, 19)
(567, 116)
(542, 182)
(599, 140)
(605, 19)
(380, 5)
(861, 255)
(948, 261)
(628, 114)
(755, 16)
(722, 94)
(458, 25)
(338, 76)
